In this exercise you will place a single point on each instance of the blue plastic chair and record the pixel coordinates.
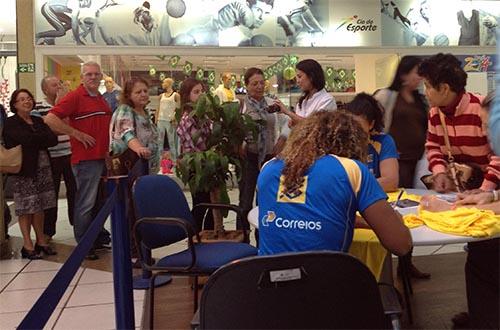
(164, 218)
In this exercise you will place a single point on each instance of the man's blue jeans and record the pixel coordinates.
(87, 175)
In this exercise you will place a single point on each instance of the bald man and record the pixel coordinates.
(111, 95)
(224, 91)
(60, 155)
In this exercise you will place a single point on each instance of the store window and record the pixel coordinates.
(340, 74)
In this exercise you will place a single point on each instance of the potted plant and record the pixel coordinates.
(208, 170)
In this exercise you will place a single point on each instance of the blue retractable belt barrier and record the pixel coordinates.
(40, 313)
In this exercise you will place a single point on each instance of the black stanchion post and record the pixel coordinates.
(122, 266)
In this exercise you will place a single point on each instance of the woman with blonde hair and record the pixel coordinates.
(309, 195)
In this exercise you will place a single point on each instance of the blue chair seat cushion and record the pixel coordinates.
(209, 256)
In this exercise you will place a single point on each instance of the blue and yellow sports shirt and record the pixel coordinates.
(320, 214)
(381, 146)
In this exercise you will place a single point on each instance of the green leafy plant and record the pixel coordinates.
(208, 171)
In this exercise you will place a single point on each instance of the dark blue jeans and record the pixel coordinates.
(87, 176)
(61, 166)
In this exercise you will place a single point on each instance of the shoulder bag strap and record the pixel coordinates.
(451, 159)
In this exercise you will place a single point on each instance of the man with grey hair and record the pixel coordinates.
(89, 116)
(60, 155)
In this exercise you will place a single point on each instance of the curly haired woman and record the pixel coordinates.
(309, 195)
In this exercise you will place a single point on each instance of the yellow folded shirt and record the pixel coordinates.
(393, 196)
(462, 221)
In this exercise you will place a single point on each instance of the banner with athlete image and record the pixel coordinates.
(439, 22)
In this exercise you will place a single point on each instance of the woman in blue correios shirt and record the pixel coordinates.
(309, 195)
(382, 153)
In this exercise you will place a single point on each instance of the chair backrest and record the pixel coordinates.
(298, 290)
(160, 196)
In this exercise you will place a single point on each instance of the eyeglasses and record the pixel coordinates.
(92, 74)
(24, 99)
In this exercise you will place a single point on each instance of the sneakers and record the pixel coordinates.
(99, 246)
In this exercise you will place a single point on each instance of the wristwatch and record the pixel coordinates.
(495, 195)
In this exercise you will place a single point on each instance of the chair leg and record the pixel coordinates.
(152, 300)
(407, 289)
(195, 293)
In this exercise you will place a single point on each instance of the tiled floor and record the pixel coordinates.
(86, 304)
(88, 301)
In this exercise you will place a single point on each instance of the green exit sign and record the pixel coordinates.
(26, 67)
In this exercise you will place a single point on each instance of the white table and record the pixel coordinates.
(421, 236)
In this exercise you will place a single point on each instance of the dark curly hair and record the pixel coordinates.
(444, 68)
(322, 133)
(365, 105)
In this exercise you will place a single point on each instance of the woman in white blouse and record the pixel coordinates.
(311, 80)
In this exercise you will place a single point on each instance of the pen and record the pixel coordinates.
(399, 197)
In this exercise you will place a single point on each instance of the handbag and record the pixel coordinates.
(462, 176)
(11, 159)
(120, 164)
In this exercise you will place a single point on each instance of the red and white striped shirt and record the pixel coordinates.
(469, 142)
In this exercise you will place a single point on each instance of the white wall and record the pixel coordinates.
(374, 71)
(477, 82)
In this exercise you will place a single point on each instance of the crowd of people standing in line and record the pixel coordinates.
(295, 161)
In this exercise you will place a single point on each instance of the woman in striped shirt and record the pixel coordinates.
(445, 82)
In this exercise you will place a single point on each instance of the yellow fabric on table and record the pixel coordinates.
(393, 196)
(367, 248)
(462, 221)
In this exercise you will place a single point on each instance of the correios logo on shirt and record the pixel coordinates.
(271, 219)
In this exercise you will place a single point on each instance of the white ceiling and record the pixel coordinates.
(8, 18)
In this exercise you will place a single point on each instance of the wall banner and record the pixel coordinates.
(439, 22)
(259, 23)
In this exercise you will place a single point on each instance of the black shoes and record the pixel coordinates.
(47, 250)
(91, 255)
(461, 321)
(30, 254)
(415, 273)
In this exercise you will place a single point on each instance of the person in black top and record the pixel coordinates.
(33, 188)
(7, 217)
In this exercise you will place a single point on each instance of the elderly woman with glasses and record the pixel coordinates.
(33, 188)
